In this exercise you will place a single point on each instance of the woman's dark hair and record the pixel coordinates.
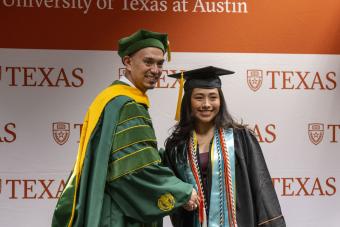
(181, 133)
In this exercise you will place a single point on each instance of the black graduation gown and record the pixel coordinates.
(256, 200)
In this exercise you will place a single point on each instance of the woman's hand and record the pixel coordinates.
(193, 202)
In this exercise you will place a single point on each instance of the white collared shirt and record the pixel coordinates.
(127, 81)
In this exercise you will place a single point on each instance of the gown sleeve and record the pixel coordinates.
(141, 186)
(266, 204)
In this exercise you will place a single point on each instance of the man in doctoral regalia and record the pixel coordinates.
(118, 179)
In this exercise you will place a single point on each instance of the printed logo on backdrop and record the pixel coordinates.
(265, 133)
(196, 6)
(305, 186)
(297, 186)
(61, 131)
(7, 133)
(29, 76)
(290, 80)
(28, 189)
(121, 72)
(254, 79)
(318, 132)
(315, 132)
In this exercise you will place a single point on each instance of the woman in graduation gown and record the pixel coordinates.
(221, 158)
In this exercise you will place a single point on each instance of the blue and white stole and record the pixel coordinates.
(222, 210)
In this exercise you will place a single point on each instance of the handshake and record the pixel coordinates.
(193, 202)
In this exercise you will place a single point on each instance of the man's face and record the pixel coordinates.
(144, 67)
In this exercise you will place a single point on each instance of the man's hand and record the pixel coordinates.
(193, 202)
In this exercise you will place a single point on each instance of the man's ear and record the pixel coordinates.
(127, 62)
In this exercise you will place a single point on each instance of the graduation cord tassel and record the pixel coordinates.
(228, 182)
(220, 179)
(179, 99)
(168, 52)
(194, 167)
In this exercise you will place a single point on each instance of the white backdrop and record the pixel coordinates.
(292, 96)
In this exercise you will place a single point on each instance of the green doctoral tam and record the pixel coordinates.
(142, 39)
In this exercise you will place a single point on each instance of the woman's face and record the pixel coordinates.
(205, 104)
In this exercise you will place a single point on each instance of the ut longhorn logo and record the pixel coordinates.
(61, 132)
(315, 132)
(254, 79)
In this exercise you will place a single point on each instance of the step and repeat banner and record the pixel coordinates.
(56, 56)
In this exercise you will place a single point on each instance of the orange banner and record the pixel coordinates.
(244, 26)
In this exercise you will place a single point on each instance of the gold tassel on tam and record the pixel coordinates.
(168, 52)
(179, 100)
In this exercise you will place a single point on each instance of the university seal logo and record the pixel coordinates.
(315, 132)
(61, 132)
(254, 79)
(166, 202)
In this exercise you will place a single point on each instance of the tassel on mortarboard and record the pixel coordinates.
(168, 52)
(179, 100)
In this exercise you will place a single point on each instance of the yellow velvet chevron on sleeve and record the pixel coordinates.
(134, 142)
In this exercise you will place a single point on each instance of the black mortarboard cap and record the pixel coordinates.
(206, 77)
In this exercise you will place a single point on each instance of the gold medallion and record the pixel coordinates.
(166, 202)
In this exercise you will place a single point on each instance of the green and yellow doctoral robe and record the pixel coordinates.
(118, 179)
(256, 202)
